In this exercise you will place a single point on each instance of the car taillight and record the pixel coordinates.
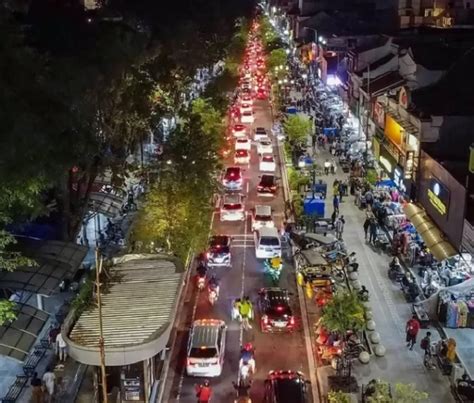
(265, 319)
(279, 308)
(292, 320)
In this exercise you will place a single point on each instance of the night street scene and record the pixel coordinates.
(236, 201)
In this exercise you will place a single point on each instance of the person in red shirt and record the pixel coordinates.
(412, 329)
(204, 392)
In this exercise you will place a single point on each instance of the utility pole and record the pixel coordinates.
(98, 269)
(369, 107)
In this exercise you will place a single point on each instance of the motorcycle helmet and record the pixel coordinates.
(248, 347)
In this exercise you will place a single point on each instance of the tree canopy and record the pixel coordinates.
(297, 128)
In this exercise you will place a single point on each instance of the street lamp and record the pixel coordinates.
(287, 51)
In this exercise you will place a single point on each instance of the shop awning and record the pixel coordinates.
(433, 237)
(17, 337)
(107, 204)
(382, 83)
(55, 261)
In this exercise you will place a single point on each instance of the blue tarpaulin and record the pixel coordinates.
(291, 110)
(330, 131)
(314, 207)
(387, 183)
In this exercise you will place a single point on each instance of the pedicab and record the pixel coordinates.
(314, 274)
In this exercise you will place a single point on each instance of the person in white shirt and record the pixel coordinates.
(61, 347)
(49, 382)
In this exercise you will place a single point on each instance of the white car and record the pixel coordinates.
(267, 163)
(259, 133)
(262, 217)
(245, 107)
(264, 146)
(267, 243)
(232, 207)
(247, 98)
(247, 117)
(243, 143)
(242, 157)
(239, 131)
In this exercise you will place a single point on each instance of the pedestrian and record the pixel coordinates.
(49, 383)
(335, 203)
(412, 329)
(327, 166)
(366, 227)
(236, 310)
(204, 392)
(36, 389)
(373, 231)
(340, 227)
(61, 347)
(247, 301)
(425, 345)
(53, 333)
(245, 312)
(333, 217)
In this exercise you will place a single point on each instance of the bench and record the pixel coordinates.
(15, 389)
(32, 361)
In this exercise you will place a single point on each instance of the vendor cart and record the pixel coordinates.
(320, 189)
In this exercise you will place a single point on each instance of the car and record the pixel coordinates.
(260, 132)
(232, 207)
(243, 143)
(267, 163)
(242, 157)
(262, 217)
(232, 178)
(267, 243)
(286, 386)
(246, 85)
(218, 253)
(247, 98)
(261, 94)
(206, 347)
(275, 310)
(264, 146)
(245, 107)
(247, 117)
(267, 186)
(239, 131)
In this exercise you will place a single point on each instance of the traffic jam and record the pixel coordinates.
(270, 308)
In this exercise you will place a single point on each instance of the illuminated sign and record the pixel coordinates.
(379, 114)
(386, 164)
(410, 159)
(438, 196)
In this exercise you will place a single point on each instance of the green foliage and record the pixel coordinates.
(297, 128)
(338, 397)
(401, 393)
(344, 312)
(277, 57)
(297, 179)
(7, 311)
(371, 176)
(83, 300)
(298, 207)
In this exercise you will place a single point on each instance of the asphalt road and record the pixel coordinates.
(246, 277)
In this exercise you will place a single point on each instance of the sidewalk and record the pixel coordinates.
(390, 310)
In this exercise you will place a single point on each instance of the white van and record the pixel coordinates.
(262, 217)
(206, 346)
(267, 243)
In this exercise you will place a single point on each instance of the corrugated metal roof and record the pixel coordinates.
(138, 302)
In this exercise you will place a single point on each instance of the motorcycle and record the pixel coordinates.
(245, 372)
(363, 294)
(213, 290)
(395, 272)
(242, 390)
(274, 272)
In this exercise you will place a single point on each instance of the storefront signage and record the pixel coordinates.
(438, 195)
(398, 179)
(403, 98)
(379, 114)
(386, 164)
(410, 160)
(393, 130)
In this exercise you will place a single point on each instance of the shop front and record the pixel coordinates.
(389, 161)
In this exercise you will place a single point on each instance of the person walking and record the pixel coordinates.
(372, 231)
(341, 190)
(327, 166)
(340, 226)
(247, 301)
(204, 392)
(333, 218)
(412, 328)
(61, 347)
(335, 203)
(245, 312)
(236, 310)
(36, 389)
(49, 383)
(366, 227)
(425, 345)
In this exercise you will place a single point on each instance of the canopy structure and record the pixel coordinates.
(18, 337)
(55, 261)
(433, 237)
(107, 204)
(138, 308)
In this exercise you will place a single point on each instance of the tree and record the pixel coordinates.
(277, 57)
(344, 312)
(297, 128)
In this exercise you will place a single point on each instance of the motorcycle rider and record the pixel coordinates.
(213, 285)
(247, 355)
(201, 271)
(204, 392)
(363, 293)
